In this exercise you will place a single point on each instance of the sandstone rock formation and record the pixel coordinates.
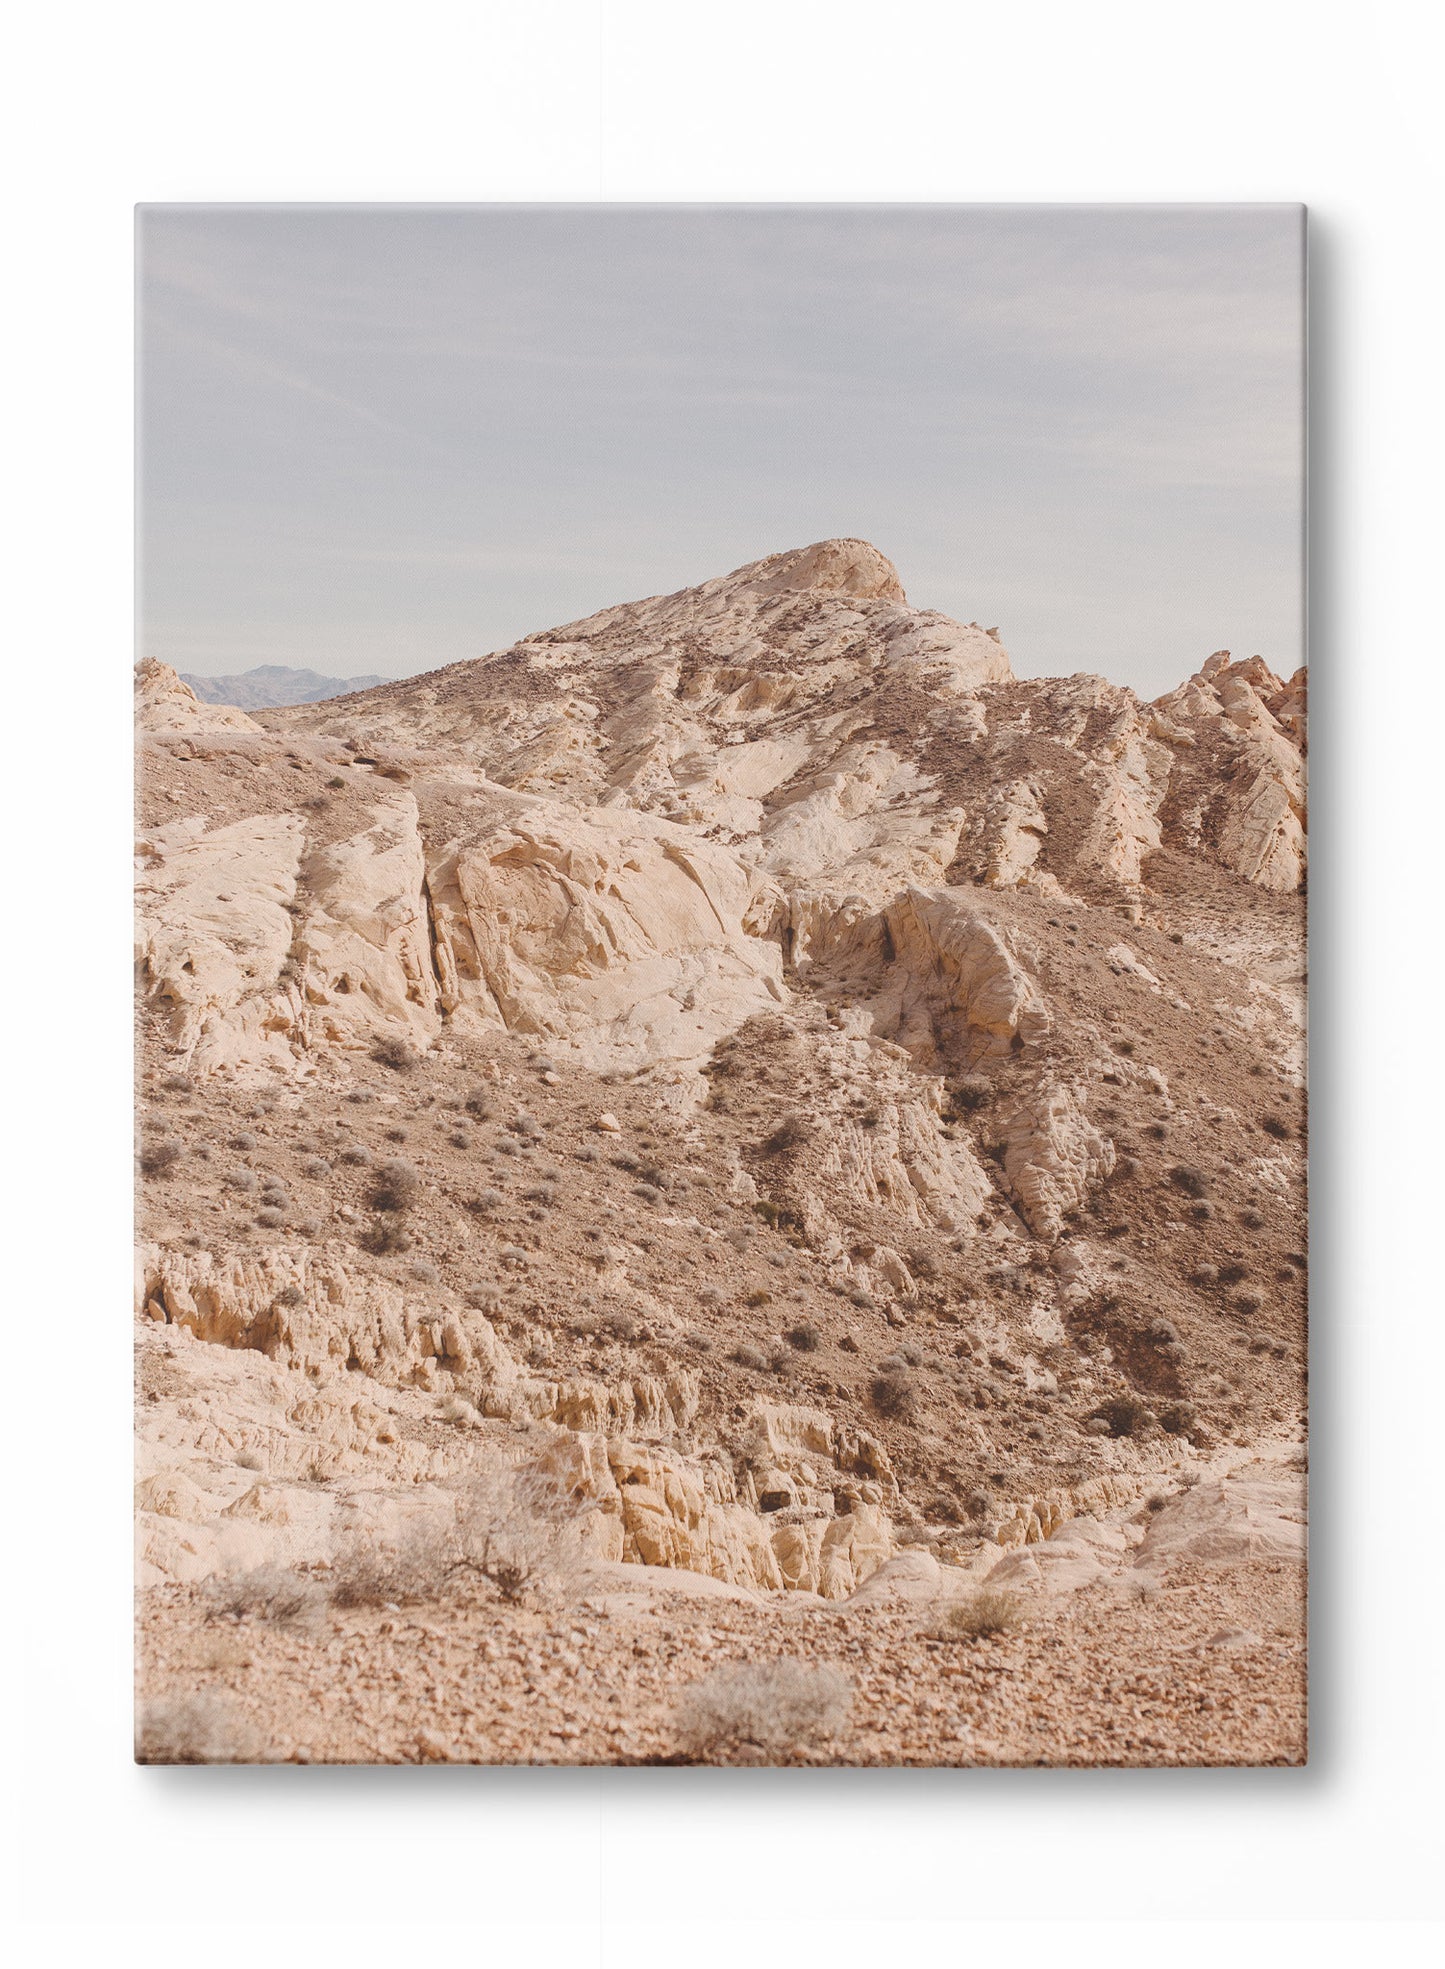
(745, 1055)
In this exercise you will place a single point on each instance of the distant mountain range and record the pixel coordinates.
(273, 683)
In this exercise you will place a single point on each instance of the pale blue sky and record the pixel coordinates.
(381, 439)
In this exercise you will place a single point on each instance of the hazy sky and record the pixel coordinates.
(381, 439)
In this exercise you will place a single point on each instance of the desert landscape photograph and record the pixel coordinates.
(721, 1071)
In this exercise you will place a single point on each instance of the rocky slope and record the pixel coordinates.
(826, 1102)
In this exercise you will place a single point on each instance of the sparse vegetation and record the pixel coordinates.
(505, 1526)
(971, 1092)
(895, 1394)
(160, 1158)
(988, 1611)
(397, 1185)
(1184, 1176)
(1124, 1416)
(805, 1337)
(768, 1708)
(793, 1132)
(394, 1053)
(271, 1593)
(207, 1727)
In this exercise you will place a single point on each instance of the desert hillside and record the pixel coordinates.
(773, 1120)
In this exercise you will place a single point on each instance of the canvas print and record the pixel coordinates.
(721, 1025)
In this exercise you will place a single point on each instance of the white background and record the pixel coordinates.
(653, 99)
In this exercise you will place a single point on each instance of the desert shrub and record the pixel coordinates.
(1249, 1303)
(485, 1201)
(395, 1134)
(759, 1297)
(245, 1140)
(176, 1083)
(923, 1264)
(857, 1296)
(620, 1325)
(479, 1104)
(1276, 1125)
(336, 782)
(1202, 1213)
(394, 1053)
(747, 1355)
(772, 1707)
(1192, 1181)
(315, 1166)
(1234, 1274)
(1162, 1331)
(273, 1593)
(290, 1295)
(486, 1297)
(423, 1271)
(159, 1158)
(895, 1394)
(386, 1237)
(357, 1155)
(1205, 1275)
(308, 1226)
(971, 1092)
(711, 1295)
(397, 1185)
(205, 1728)
(806, 1338)
(526, 1124)
(791, 1133)
(985, 1612)
(270, 1219)
(1124, 1416)
(508, 1527)
(1252, 1220)
(1178, 1418)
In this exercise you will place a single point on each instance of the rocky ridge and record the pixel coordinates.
(852, 1097)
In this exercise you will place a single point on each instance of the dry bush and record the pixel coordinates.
(394, 1053)
(791, 1133)
(973, 1091)
(397, 1185)
(895, 1394)
(1184, 1176)
(271, 1592)
(204, 1728)
(806, 1338)
(386, 1238)
(1124, 1416)
(509, 1527)
(772, 1707)
(987, 1611)
(159, 1158)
